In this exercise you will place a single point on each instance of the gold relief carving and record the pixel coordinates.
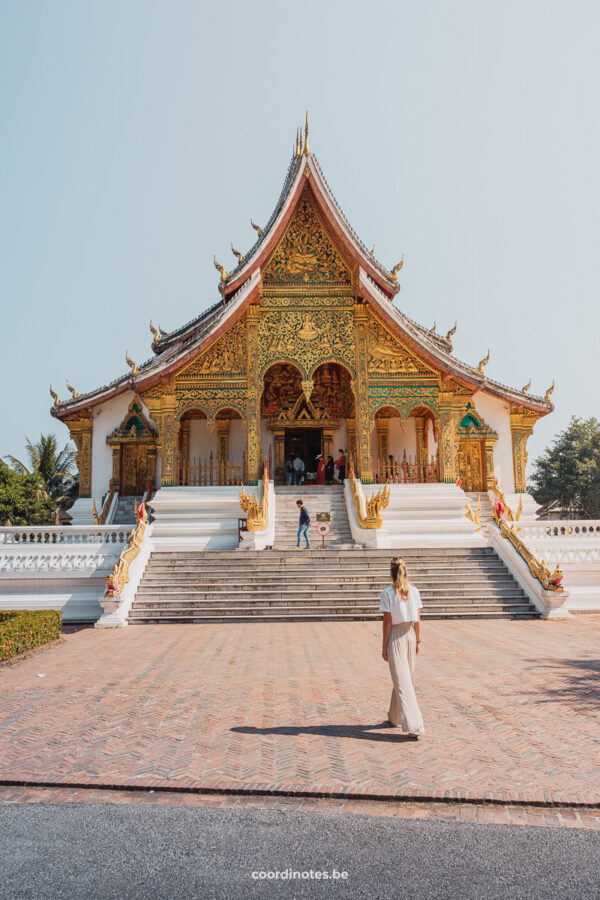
(226, 357)
(364, 422)
(305, 253)
(306, 340)
(303, 300)
(81, 428)
(387, 356)
(307, 387)
(521, 428)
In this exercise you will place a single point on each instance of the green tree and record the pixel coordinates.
(569, 470)
(56, 470)
(22, 500)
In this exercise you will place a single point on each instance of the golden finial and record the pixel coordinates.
(372, 251)
(72, 389)
(526, 388)
(162, 333)
(483, 363)
(257, 228)
(54, 395)
(131, 364)
(433, 328)
(306, 147)
(220, 269)
(396, 269)
(237, 253)
(452, 332)
(154, 331)
(549, 392)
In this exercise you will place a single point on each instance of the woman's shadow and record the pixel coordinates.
(358, 732)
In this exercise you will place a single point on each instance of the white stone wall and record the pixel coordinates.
(496, 414)
(202, 442)
(340, 439)
(402, 436)
(107, 417)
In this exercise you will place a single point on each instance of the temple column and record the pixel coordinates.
(450, 410)
(364, 423)
(279, 442)
(81, 430)
(222, 451)
(167, 442)
(151, 464)
(253, 397)
(184, 454)
(351, 432)
(421, 448)
(116, 467)
(327, 443)
(382, 426)
(490, 476)
(521, 429)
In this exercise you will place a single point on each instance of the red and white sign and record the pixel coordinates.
(323, 528)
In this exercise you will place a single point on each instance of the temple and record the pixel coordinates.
(305, 349)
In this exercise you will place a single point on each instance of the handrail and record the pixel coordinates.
(550, 581)
(258, 512)
(501, 506)
(474, 516)
(101, 519)
(116, 581)
(368, 509)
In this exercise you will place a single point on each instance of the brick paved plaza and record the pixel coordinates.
(511, 711)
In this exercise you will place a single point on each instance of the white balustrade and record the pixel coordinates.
(33, 535)
(572, 529)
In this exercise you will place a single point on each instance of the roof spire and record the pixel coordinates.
(306, 147)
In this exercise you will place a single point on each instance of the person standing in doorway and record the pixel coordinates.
(340, 465)
(303, 524)
(329, 470)
(320, 469)
(299, 468)
(288, 469)
(401, 606)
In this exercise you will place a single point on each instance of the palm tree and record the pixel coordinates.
(57, 471)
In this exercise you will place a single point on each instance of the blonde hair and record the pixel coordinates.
(399, 577)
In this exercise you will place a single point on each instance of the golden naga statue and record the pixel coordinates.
(483, 363)
(526, 387)
(257, 228)
(116, 581)
(70, 388)
(154, 331)
(54, 396)
(549, 392)
(450, 334)
(433, 328)
(257, 511)
(220, 269)
(237, 253)
(396, 269)
(162, 333)
(133, 366)
(370, 517)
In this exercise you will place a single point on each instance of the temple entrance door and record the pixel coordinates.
(306, 443)
(471, 461)
(134, 468)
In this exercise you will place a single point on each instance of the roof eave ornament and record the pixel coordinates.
(220, 269)
(306, 147)
(55, 397)
(257, 228)
(549, 392)
(526, 387)
(396, 269)
(154, 331)
(483, 363)
(70, 388)
(451, 334)
(237, 253)
(132, 365)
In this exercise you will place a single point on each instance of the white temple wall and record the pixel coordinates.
(202, 442)
(107, 417)
(237, 441)
(432, 444)
(340, 439)
(496, 414)
(402, 437)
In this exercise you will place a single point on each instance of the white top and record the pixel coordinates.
(401, 610)
(298, 464)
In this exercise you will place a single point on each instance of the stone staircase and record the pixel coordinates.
(331, 585)
(486, 514)
(125, 511)
(317, 499)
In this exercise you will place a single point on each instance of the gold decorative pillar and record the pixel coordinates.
(168, 441)
(116, 467)
(222, 451)
(521, 429)
(151, 470)
(327, 443)
(279, 441)
(81, 429)
(489, 464)
(351, 439)
(364, 423)
(184, 452)
(451, 407)
(253, 397)
(421, 448)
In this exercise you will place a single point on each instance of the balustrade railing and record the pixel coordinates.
(572, 529)
(407, 470)
(205, 472)
(69, 534)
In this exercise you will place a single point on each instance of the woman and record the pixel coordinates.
(401, 605)
(320, 469)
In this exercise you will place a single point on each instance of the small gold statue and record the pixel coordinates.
(483, 363)
(396, 269)
(133, 366)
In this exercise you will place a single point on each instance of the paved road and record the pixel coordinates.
(109, 851)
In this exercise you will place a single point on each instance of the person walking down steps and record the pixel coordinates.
(303, 524)
(401, 604)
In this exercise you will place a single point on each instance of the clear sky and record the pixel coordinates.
(139, 137)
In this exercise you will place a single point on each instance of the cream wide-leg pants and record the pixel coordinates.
(404, 709)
